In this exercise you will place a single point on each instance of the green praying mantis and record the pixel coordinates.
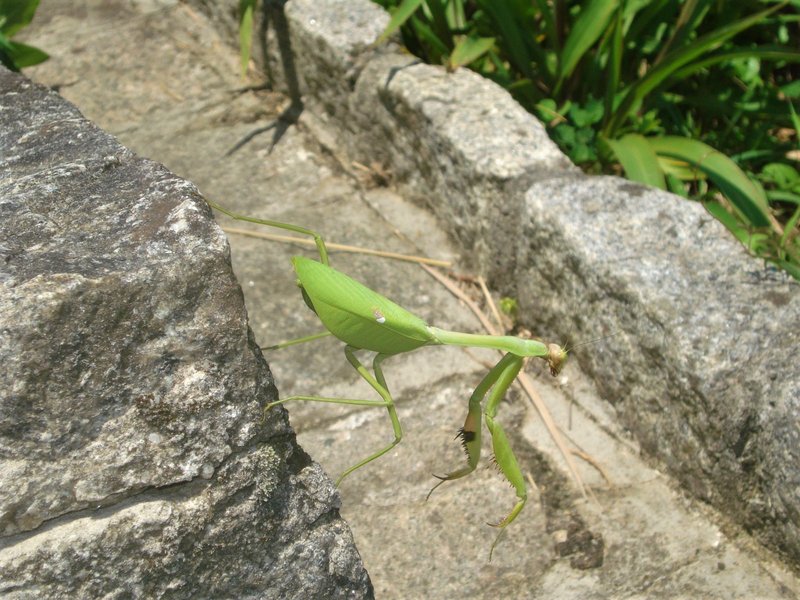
(366, 320)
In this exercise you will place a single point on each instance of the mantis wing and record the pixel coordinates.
(357, 315)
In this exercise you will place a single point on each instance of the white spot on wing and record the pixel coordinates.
(379, 316)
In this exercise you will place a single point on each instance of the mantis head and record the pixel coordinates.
(556, 358)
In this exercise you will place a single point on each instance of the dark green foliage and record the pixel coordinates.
(14, 15)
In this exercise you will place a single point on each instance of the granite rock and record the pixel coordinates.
(134, 461)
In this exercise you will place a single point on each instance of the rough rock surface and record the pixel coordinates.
(133, 459)
(703, 366)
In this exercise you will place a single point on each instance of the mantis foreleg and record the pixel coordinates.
(470, 433)
(378, 383)
(503, 454)
(498, 380)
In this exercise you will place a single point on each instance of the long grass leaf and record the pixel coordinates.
(18, 14)
(795, 120)
(791, 268)
(399, 17)
(638, 159)
(614, 67)
(680, 171)
(730, 222)
(437, 49)
(467, 50)
(439, 19)
(775, 53)
(246, 8)
(676, 60)
(692, 12)
(518, 43)
(590, 25)
(791, 228)
(546, 12)
(456, 15)
(743, 193)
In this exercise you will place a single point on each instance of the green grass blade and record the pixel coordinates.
(789, 228)
(246, 8)
(519, 44)
(728, 220)
(456, 15)
(675, 61)
(590, 25)
(691, 13)
(18, 14)
(783, 196)
(440, 24)
(795, 118)
(614, 67)
(467, 50)
(399, 17)
(743, 193)
(548, 18)
(773, 53)
(791, 268)
(680, 171)
(639, 160)
(437, 49)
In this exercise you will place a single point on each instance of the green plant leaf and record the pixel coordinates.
(790, 228)
(590, 25)
(638, 159)
(26, 56)
(680, 170)
(774, 53)
(795, 119)
(614, 68)
(587, 114)
(518, 42)
(674, 61)
(783, 196)
(728, 220)
(18, 14)
(791, 268)
(784, 176)
(675, 184)
(467, 50)
(743, 193)
(399, 17)
(246, 8)
(791, 90)
(438, 49)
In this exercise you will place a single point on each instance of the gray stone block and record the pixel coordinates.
(703, 366)
(135, 462)
(455, 143)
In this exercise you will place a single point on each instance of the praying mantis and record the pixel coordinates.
(365, 320)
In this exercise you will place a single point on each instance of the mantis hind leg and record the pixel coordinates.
(378, 383)
(318, 241)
